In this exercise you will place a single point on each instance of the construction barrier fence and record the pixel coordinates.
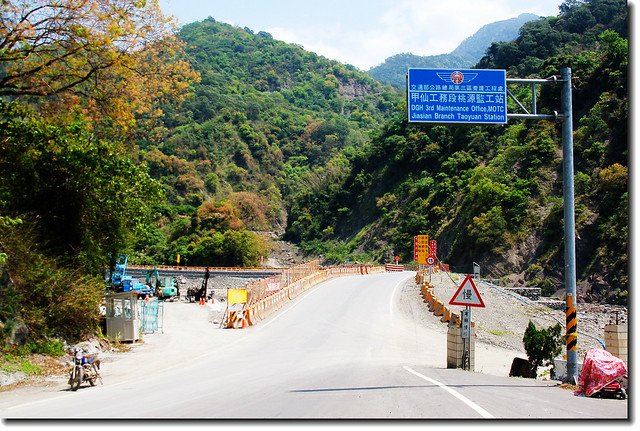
(267, 295)
(151, 316)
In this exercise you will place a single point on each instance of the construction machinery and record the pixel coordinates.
(199, 295)
(121, 282)
(165, 288)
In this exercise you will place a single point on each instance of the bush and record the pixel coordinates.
(53, 299)
(542, 345)
(49, 347)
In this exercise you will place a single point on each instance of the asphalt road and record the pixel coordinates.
(342, 350)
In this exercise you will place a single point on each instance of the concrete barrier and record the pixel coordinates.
(616, 338)
(455, 347)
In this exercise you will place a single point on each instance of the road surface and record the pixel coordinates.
(341, 350)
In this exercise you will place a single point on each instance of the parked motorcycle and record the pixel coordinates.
(603, 375)
(85, 368)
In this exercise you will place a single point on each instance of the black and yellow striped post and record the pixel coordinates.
(572, 340)
(572, 326)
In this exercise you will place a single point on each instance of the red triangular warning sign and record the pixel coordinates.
(467, 294)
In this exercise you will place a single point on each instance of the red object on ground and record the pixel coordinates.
(600, 368)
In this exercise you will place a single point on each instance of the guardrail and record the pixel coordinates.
(268, 295)
(203, 268)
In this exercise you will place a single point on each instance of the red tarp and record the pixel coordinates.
(598, 370)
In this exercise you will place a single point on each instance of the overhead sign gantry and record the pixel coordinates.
(478, 96)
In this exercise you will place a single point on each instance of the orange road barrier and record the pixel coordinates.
(446, 316)
(250, 316)
(244, 323)
(231, 319)
(389, 267)
(268, 295)
(430, 297)
(258, 309)
(438, 308)
(239, 319)
(432, 303)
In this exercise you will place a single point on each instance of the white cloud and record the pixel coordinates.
(422, 27)
(434, 28)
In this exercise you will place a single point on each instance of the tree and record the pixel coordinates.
(542, 345)
(86, 195)
(107, 58)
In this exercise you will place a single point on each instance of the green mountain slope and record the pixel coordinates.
(493, 195)
(265, 117)
(466, 55)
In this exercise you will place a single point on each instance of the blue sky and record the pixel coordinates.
(362, 32)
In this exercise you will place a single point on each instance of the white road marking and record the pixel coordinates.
(482, 412)
(393, 293)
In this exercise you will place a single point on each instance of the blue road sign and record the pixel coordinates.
(450, 96)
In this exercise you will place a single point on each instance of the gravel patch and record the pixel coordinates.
(504, 319)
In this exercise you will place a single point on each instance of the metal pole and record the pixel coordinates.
(569, 228)
(469, 337)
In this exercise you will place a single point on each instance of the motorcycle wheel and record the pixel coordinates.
(623, 394)
(78, 379)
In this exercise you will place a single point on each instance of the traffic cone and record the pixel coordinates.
(201, 300)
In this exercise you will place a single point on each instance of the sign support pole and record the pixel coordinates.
(569, 226)
(569, 206)
(465, 329)
(467, 362)
(422, 106)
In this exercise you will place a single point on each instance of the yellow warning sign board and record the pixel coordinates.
(421, 248)
(237, 296)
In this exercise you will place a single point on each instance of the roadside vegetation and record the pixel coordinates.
(120, 133)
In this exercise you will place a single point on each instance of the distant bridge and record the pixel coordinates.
(139, 271)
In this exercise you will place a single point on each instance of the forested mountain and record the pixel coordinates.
(466, 55)
(265, 117)
(493, 194)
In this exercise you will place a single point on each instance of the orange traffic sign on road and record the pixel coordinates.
(467, 294)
